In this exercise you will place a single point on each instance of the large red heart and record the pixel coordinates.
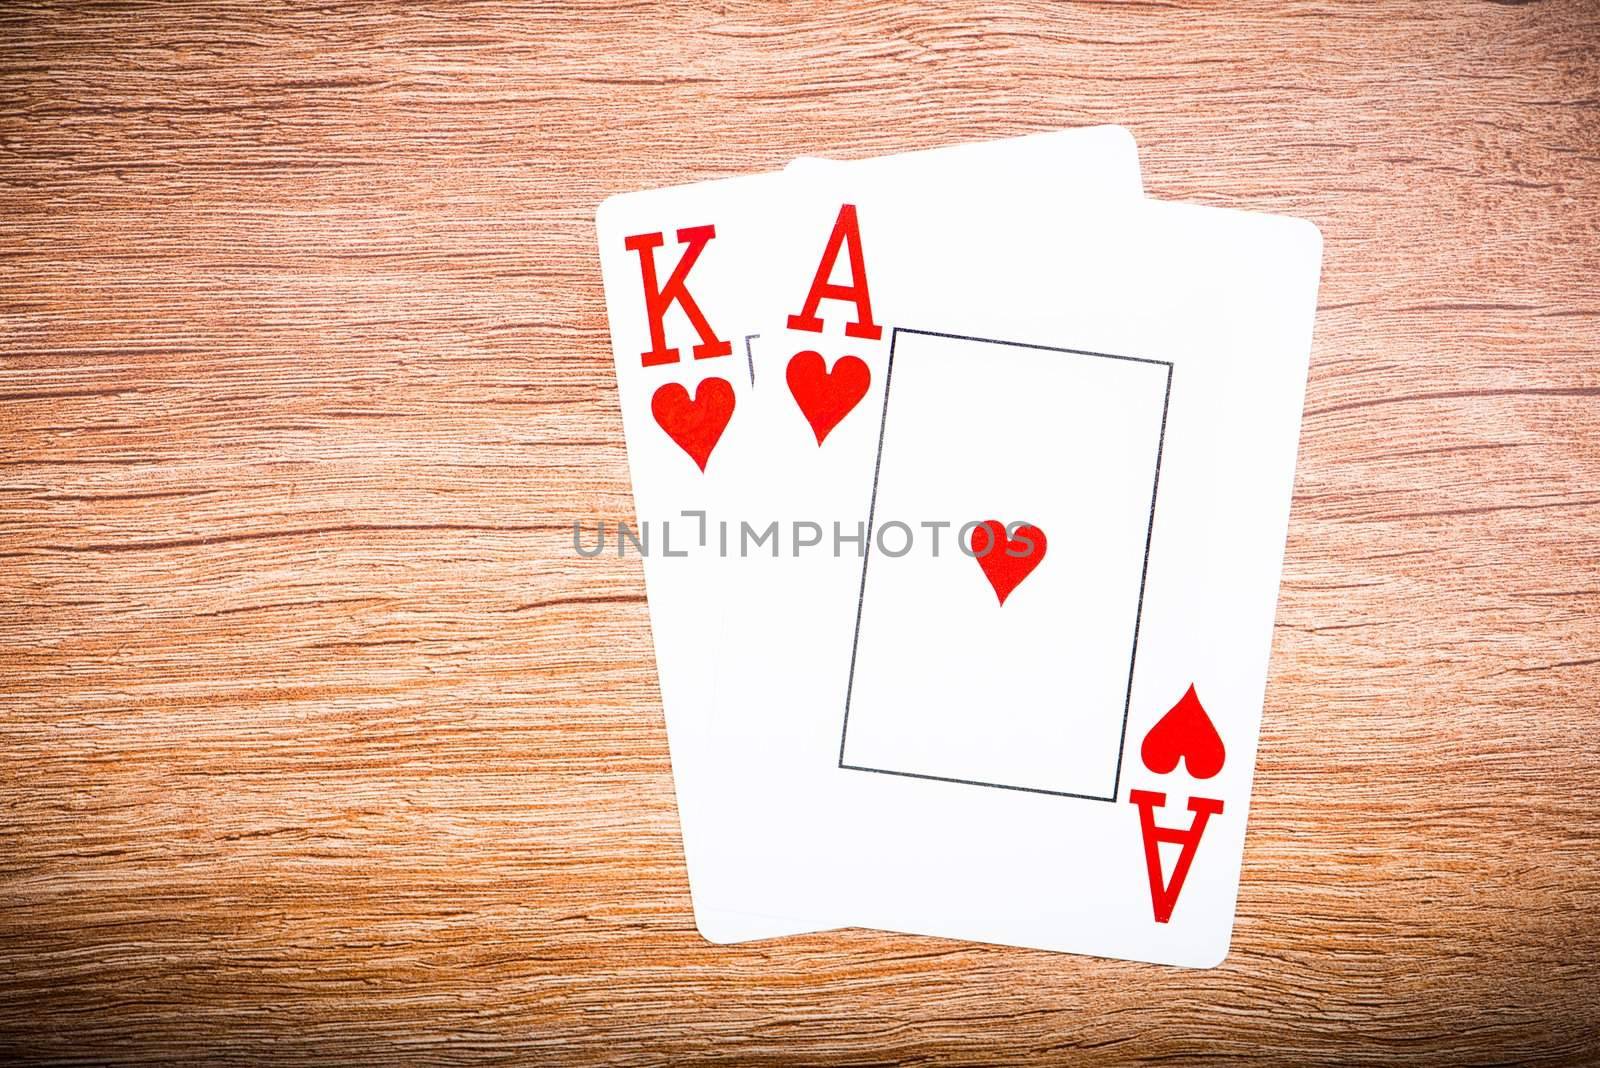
(824, 396)
(1185, 733)
(697, 424)
(1006, 561)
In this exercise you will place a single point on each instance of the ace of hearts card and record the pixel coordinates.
(1042, 731)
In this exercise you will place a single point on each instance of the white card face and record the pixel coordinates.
(681, 383)
(975, 789)
(1052, 618)
(692, 429)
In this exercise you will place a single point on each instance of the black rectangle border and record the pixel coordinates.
(1144, 573)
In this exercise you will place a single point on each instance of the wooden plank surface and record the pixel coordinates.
(318, 743)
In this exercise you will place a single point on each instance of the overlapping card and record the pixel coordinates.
(961, 480)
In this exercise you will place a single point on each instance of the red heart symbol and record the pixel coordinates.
(695, 425)
(1184, 733)
(1006, 561)
(824, 396)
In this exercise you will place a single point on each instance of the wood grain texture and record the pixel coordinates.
(317, 743)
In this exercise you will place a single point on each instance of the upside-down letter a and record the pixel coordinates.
(1164, 894)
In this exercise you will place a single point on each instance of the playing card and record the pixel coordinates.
(953, 745)
(685, 271)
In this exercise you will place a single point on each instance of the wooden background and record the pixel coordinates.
(317, 741)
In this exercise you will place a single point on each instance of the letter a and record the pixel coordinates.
(845, 231)
(657, 299)
(1163, 898)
